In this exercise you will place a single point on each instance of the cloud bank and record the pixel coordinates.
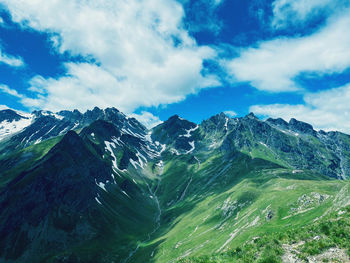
(275, 64)
(142, 54)
(288, 13)
(327, 110)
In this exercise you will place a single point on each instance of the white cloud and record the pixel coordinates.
(4, 107)
(287, 12)
(147, 119)
(9, 91)
(230, 113)
(10, 60)
(327, 110)
(144, 56)
(218, 2)
(272, 65)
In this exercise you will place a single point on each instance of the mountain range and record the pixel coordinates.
(101, 187)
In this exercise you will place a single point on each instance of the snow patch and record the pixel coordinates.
(188, 132)
(134, 163)
(125, 193)
(108, 147)
(75, 125)
(226, 122)
(59, 117)
(37, 141)
(101, 185)
(174, 151)
(9, 128)
(160, 163)
(148, 137)
(63, 131)
(50, 130)
(163, 146)
(112, 175)
(98, 201)
(192, 147)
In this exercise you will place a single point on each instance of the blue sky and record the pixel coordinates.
(156, 58)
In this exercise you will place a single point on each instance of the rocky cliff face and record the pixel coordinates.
(295, 144)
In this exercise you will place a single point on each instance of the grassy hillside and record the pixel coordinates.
(13, 164)
(325, 239)
(206, 213)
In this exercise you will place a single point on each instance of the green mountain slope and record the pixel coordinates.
(223, 191)
(245, 201)
(54, 210)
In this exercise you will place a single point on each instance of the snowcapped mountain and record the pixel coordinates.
(100, 187)
(21, 131)
(12, 122)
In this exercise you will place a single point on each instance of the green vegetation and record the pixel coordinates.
(331, 231)
(19, 161)
(248, 199)
(249, 194)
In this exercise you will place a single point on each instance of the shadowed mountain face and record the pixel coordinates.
(61, 195)
(9, 116)
(100, 187)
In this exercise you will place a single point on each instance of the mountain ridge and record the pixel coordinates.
(180, 187)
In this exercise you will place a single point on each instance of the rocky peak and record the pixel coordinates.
(219, 118)
(219, 122)
(279, 122)
(175, 125)
(251, 116)
(10, 115)
(71, 115)
(94, 114)
(38, 113)
(302, 127)
(177, 132)
(175, 119)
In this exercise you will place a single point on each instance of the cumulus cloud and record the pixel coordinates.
(143, 55)
(327, 110)
(147, 119)
(10, 60)
(273, 65)
(3, 107)
(286, 12)
(9, 91)
(230, 113)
